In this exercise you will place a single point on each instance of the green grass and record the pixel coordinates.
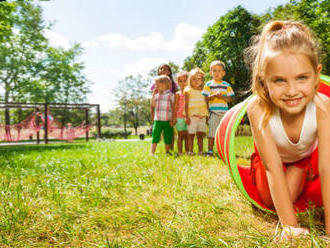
(115, 194)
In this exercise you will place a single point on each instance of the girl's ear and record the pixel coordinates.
(318, 74)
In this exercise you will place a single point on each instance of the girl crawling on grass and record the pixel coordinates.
(289, 120)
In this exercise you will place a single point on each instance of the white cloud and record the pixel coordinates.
(185, 36)
(57, 40)
(143, 66)
(89, 44)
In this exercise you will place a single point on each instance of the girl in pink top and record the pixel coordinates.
(181, 126)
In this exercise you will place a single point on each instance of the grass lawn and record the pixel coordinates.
(115, 194)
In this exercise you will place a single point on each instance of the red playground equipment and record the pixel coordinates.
(52, 128)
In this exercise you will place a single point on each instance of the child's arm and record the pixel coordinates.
(186, 106)
(173, 107)
(207, 102)
(273, 164)
(176, 100)
(152, 107)
(323, 120)
(220, 95)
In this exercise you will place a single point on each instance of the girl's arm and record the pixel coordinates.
(152, 107)
(176, 100)
(173, 121)
(273, 164)
(323, 120)
(186, 106)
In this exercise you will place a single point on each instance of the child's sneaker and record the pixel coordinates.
(210, 153)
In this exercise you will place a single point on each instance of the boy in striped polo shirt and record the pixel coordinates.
(217, 93)
(162, 113)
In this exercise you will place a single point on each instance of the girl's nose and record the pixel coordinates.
(291, 89)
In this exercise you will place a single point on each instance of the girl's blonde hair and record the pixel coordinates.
(181, 74)
(277, 36)
(192, 73)
(163, 79)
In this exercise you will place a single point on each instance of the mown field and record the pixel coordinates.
(115, 194)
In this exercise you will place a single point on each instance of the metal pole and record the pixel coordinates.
(86, 120)
(46, 123)
(38, 123)
(98, 122)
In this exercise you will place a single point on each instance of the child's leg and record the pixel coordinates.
(192, 127)
(261, 182)
(172, 142)
(168, 134)
(210, 144)
(191, 142)
(200, 136)
(157, 130)
(185, 139)
(296, 178)
(153, 148)
(214, 121)
(296, 175)
(180, 140)
(200, 133)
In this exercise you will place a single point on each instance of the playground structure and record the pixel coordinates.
(225, 142)
(41, 118)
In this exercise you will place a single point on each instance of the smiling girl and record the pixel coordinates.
(289, 120)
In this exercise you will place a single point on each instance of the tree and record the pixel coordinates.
(20, 51)
(131, 94)
(6, 19)
(61, 78)
(226, 40)
(32, 70)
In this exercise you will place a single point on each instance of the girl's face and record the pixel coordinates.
(164, 70)
(291, 82)
(161, 86)
(182, 81)
(197, 81)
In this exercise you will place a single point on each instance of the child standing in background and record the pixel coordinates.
(196, 109)
(289, 120)
(162, 109)
(165, 69)
(181, 126)
(217, 93)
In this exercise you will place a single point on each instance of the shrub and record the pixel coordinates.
(113, 134)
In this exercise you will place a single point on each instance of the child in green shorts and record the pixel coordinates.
(162, 109)
(181, 126)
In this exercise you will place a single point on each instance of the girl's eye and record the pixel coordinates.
(302, 78)
(279, 80)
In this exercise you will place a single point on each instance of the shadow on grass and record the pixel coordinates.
(269, 217)
(32, 148)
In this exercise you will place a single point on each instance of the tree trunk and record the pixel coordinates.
(125, 120)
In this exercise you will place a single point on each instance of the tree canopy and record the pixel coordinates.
(30, 68)
(225, 40)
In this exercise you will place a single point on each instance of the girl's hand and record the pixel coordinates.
(173, 122)
(288, 232)
(187, 120)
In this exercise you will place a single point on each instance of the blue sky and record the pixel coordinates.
(130, 37)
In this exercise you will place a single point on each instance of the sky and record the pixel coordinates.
(131, 37)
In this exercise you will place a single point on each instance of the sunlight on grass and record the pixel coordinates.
(117, 195)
